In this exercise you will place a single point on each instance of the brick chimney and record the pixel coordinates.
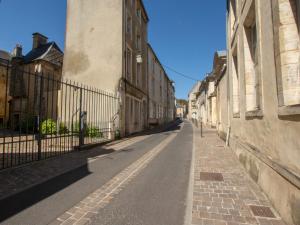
(17, 52)
(38, 40)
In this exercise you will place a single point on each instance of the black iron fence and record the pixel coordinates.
(43, 115)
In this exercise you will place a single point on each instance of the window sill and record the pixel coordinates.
(289, 110)
(254, 113)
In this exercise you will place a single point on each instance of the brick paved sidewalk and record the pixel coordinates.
(223, 192)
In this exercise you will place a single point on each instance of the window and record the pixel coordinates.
(287, 53)
(129, 26)
(235, 85)
(139, 15)
(252, 71)
(129, 3)
(153, 65)
(138, 74)
(233, 14)
(160, 92)
(128, 65)
(153, 87)
(138, 42)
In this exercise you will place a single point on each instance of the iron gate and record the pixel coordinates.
(42, 115)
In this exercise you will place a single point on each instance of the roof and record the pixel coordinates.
(49, 52)
(145, 11)
(39, 34)
(5, 55)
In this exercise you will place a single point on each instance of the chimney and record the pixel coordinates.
(17, 52)
(38, 40)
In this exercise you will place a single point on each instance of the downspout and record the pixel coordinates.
(228, 82)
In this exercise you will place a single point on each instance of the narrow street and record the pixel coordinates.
(144, 181)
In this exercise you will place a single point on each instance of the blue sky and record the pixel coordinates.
(184, 33)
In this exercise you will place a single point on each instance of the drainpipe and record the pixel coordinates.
(228, 84)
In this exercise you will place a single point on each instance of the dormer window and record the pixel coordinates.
(139, 15)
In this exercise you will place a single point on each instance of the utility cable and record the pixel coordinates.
(179, 73)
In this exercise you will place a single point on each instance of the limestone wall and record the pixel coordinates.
(272, 133)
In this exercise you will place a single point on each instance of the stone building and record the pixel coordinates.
(221, 92)
(5, 59)
(264, 98)
(193, 109)
(208, 99)
(26, 103)
(106, 47)
(21, 86)
(180, 110)
(206, 102)
(161, 92)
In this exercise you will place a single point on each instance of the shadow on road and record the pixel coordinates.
(62, 165)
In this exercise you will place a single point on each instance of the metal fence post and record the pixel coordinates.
(81, 135)
(40, 119)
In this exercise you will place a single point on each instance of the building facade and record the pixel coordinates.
(5, 61)
(264, 97)
(206, 102)
(193, 104)
(108, 50)
(24, 95)
(161, 92)
(221, 92)
(208, 97)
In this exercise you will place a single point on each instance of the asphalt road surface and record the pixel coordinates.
(156, 196)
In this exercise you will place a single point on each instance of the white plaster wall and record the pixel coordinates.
(93, 50)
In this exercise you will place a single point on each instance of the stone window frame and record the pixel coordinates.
(139, 74)
(235, 74)
(252, 63)
(139, 13)
(138, 39)
(284, 108)
(129, 64)
(233, 5)
(129, 33)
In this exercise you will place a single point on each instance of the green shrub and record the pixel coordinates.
(63, 129)
(48, 127)
(90, 131)
(117, 134)
(93, 132)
